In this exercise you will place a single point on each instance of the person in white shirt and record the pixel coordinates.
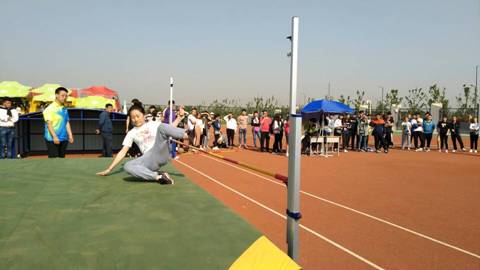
(231, 128)
(199, 126)
(406, 133)
(337, 126)
(152, 139)
(8, 118)
(419, 134)
(474, 131)
(337, 129)
(191, 121)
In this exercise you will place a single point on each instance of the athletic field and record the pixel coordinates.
(56, 214)
(401, 210)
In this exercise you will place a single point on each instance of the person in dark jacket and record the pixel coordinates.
(443, 127)
(353, 133)
(378, 125)
(389, 130)
(346, 132)
(455, 133)
(105, 129)
(217, 126)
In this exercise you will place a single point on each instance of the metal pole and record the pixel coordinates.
(383, 103)
(329, 96)
(171, 101)
(476, 89)
(293, 207)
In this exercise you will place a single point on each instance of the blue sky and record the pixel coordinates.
(237, 49)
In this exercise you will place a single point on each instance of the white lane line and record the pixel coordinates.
(284, 217)
(357, 212)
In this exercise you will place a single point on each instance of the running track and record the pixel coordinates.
(360, 210)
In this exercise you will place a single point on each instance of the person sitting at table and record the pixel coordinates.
(310, 130)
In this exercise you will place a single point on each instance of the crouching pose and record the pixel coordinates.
(153, 140)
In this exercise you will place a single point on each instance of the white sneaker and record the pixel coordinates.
(446, 151)
(419, 150)
(471, 151)
(408, 148)
(475, 151)
(453, 151)
(176, 158)
(463, 149)
(215, 148)
(345, 151)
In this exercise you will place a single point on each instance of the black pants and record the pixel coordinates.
(191, 136)
(337, 132)
(428, 138)
(456, 137)
(443, 141)
(473, 140)
(280, 142)
(306, 143)
(56, 150)
(346, 139)
(418, 137)
(107, 139)
(388, 138)
(380, 141)
(215, 142)
(230, 137)
(264, 138)
(276, 143)
(353, 138)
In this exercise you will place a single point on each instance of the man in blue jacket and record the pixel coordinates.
(105, 129)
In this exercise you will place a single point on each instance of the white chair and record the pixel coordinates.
(315, 140)
(331, 141)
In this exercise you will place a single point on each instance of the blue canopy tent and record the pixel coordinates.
(317, 107)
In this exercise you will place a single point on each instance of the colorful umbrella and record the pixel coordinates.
(46, 93)
(13, 89)
(93, 102)
(99, 91)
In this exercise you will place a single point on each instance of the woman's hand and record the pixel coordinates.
(104, 173)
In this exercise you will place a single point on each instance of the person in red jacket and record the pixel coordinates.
(265, 123)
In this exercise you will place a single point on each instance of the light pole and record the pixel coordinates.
(470, 86)
(383, 104)
(476, 90)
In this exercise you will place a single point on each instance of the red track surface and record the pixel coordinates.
(433, 194)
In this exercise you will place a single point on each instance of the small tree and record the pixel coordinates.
(345, 100)
(416, 100)
(465, 103)
(359, 99)
(381, 107)
(392, 98)
(437, 95)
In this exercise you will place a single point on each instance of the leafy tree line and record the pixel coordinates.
(419, 100)
(416, 100)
